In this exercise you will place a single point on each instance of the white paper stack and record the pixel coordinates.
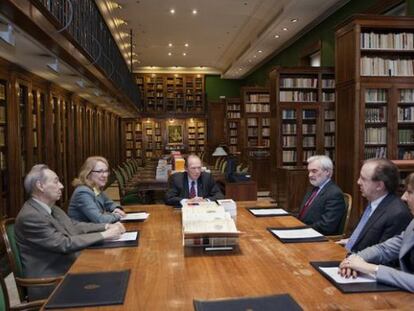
(208, 225)
(229, 206)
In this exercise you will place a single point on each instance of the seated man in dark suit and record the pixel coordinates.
(323, 207)
(48, 240)
(386, 215)
(192, 186)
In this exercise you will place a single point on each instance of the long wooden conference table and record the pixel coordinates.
(165, 276)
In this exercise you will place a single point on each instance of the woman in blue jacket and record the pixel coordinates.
(88, 202)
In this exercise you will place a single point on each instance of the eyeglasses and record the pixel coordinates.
(101, 172)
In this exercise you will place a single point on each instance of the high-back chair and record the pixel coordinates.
(13, 255)
(345, 218)
(5, 303)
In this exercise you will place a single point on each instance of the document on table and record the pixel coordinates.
(127, 236)
(135, 216)
(268, 211)
(332, 272)
(303, 233)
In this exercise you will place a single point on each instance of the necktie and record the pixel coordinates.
(192, 190)
(359, 228)
(308, 202)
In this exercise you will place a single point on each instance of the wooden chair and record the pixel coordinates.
(5, 303)
(13, 255)
(345, 219)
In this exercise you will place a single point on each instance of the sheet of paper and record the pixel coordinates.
(136, 216)
(268, 211)
(333, 273)
(297, 233)
(127, 236)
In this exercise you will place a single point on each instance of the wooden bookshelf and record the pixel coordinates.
(172, 93)
(234, 125)
(375, 90)
(304, 114)
(256, 108)
(133, 139)
(196, 134)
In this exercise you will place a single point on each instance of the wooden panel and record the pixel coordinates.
(259, 169)
(291, 186)
(241, 191)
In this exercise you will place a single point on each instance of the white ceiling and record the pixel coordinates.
(224, 37)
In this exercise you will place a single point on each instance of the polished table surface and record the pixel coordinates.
(165, 276)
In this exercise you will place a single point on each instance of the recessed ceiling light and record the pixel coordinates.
(250, 60)
(194, 12)
(277, 36)
(240, 69)
(293, 20)
(260, 51)
(169, 53)
(172, 11)
(254, 56)
(186, 45)
(184, 54)
(284, 29)
(170, 44)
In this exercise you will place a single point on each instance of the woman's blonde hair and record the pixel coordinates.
(86, 169)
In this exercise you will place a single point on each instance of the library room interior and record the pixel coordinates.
(207, 155)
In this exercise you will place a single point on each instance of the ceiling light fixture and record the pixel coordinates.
(170, 44)
(277, 36)
(186, 45)
(294, 20)
(172, 11)
(194, 12)
(259, 51)
(284, 29)
(184, 54)
(169, 53)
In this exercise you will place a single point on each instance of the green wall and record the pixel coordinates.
(216, 87)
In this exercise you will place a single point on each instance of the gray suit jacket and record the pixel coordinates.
(86, 206)
(49, 244)
(394, 248)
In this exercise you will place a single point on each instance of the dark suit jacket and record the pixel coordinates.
(178, 188)
(326, 211)
(390, 218)
(49, 244)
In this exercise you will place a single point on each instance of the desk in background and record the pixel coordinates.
(165, 276)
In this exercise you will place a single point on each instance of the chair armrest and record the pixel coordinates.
(33, 305)
(26, 282)
(335, 238)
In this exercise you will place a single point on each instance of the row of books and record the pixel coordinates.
(328, 97)
(298, 83)
(233, 107)
(289, 141)
(405, 154)
(233, 125)
(309, 114)
(406, 136)
(309, 128)
(406, 114)
(407, 96)
(376, 114)
(329, 126)
(233, 140)
(387, 41)
(309, 141)
(257, 108)
(288, 114)
(233, 132)
(376, 135)
(258, 98)
(307, 154)
(295, 96)
(289, 156)
(376, 96)
(289, 128)
(329, 141)
(329, 114)
(378, 66)
(372, 152)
